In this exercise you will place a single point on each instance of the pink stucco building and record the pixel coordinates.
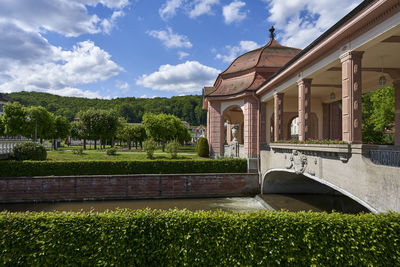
(264, 90)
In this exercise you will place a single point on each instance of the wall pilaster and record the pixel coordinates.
(396, 85)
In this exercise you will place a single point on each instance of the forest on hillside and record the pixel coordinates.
(187, 108)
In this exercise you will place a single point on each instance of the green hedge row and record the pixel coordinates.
(178, 238)
(50, 168)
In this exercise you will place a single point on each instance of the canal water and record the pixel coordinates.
(290, 202)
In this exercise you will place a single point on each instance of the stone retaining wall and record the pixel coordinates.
(136, 186)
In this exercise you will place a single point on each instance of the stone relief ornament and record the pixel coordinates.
(298, 162)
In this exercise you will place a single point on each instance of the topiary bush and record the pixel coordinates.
(202, 148)
(149, 146)
(172, 148)
(29, 151)
(112, 151)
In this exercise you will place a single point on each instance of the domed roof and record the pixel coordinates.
(251, 69)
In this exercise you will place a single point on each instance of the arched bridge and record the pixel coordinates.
(361, 172)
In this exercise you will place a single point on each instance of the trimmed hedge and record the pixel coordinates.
(54, 168)
(177, 238)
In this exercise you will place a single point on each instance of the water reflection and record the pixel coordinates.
(318, 203)
(236, 204)
(290, 202)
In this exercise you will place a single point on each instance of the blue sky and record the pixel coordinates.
(144, 48)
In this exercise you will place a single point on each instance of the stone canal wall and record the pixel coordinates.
(136, 186)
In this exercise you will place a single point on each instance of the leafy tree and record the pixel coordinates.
(62, 128)
(14, 117)
(99, 124)
(378, 114)
(46, 126)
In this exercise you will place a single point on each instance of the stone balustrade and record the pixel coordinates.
(6, 146)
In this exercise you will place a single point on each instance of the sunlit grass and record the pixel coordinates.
(88, 155)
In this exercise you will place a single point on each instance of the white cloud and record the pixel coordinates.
(190, 76)
(232, 12)
(70, 18)
(182, 54)
(168, 10)
(201, 7)
(124, 86)
(109, 24)
(53, 69)
(171, 39)
(234, 51)
(301, 21)
(68, 91)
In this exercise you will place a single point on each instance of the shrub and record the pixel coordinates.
(112, 151)
(172, 148)
(54, 168)
(29, 151)
(77, 151)
(183, 238)
(149, 146)
(202, 148)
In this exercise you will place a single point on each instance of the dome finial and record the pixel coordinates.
(272, 33)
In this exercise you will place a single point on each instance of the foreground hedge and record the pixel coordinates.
(50, 168)
(176, 238)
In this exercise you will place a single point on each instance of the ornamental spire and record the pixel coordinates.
(272, 33)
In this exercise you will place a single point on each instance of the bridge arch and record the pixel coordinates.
(270, 176)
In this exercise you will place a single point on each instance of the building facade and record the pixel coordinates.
(264, 92)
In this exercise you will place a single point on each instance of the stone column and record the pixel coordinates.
(216, 129)
(351, 97)
(396, 85)
(263, 124)
(251, 127)
(278, 117)
(228, 133)
(304, 108)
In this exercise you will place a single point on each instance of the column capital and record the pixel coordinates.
(304, 81)
(355, 55)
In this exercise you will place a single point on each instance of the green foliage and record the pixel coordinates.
(149, 147)
(77, 151)
(29, 151)
(99, 124)
(188, 108)
(378, 115)
(59, 168)
(63, 127)
(164, 128)
(14, 117)
(183, 238)
(132, 132)
(111, 151)
(172, 148)
(2, 126)
(46, 126)
(202, 147)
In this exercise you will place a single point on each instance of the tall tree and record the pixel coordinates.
(42, 120)
(163, 128)
(15, 116)
(62, 129)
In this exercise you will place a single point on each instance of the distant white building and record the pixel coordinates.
(199, 131)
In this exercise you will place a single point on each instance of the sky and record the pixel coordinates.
(144, 48)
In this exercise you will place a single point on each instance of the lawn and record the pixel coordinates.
(88, 155)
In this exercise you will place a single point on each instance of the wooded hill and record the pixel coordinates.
(187, 108)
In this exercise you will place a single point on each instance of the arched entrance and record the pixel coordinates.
(234, 133)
